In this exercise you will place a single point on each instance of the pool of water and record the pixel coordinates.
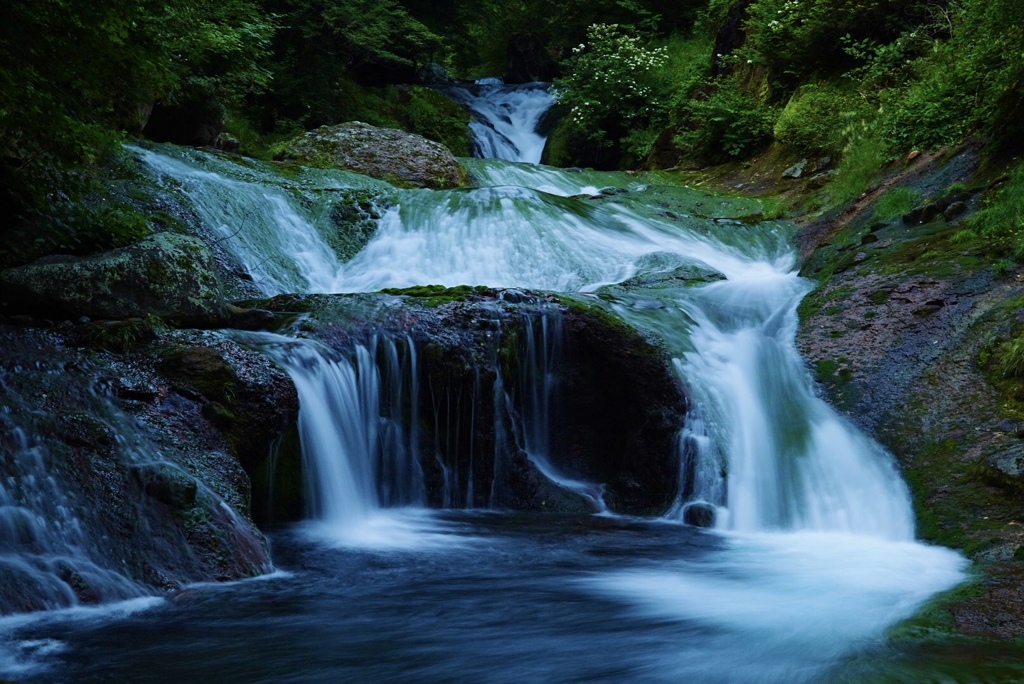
(413, 596)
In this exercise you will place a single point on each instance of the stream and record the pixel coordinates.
(811, 555)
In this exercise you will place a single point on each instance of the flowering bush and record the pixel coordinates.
(611, 87)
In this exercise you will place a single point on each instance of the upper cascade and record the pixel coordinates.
(505, 117)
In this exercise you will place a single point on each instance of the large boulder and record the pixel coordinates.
(404, 159)
(168, 275)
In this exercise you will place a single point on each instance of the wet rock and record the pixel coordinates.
(796, 170)
(227, 142)
(401, 158)
(868, 239)
(166, 275)
(930, 212)
(699, 515)
(954, 210)
(613, 421)
(433, 74)
(167, 484)
(1009, 464)
(240, 318)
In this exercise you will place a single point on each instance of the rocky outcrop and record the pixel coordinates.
(905, 334)
(122, 473)
(166, 275)
(401, 158)
(612, 417)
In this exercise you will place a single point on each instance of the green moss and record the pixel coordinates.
(436, 295)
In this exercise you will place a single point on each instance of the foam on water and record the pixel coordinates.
(785, 607)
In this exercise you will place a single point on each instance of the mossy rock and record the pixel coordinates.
(403, 159)
(166, 275)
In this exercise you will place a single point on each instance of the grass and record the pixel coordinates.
(860, 165)
(896, 202)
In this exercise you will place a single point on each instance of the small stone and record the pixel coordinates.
(83, 320)
(913, 217)
(868, 239)
(930, 212)
(861, 256)
(699, 515)
(953, 210)
(227, 142)
(796, 170)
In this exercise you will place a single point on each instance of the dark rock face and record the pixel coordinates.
(615, 407)
(166, 275)
(197, 123)
(405, 159)
(730, 37)
(529, 59)
(140, 483)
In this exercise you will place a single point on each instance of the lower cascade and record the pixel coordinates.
(617, 345)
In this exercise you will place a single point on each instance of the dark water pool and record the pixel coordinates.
(512, 598)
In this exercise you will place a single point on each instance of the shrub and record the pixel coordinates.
(726, 124)
(817, 118)
(1001, 219)
(862, 159)
(610, 89)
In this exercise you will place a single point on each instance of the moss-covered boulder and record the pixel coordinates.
(168, 275)
(404, 159)
(614, 405)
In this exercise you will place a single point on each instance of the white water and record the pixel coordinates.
(357, 453)
(505, 118)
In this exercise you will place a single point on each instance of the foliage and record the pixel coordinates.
(324, 44)
(896, 202)
(72, 74)
(861, 162)
(1001, 219)
(818, 116)
(728, 123)
(609, 90)
(800, 38)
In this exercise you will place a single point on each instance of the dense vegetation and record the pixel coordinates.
(641, 81)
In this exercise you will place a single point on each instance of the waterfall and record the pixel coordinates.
(776, 457)
(359, 449)
(537, 396)
(505, 117)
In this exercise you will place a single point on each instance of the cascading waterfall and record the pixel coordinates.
(505, 117)
(792, 462)
(814, 555)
